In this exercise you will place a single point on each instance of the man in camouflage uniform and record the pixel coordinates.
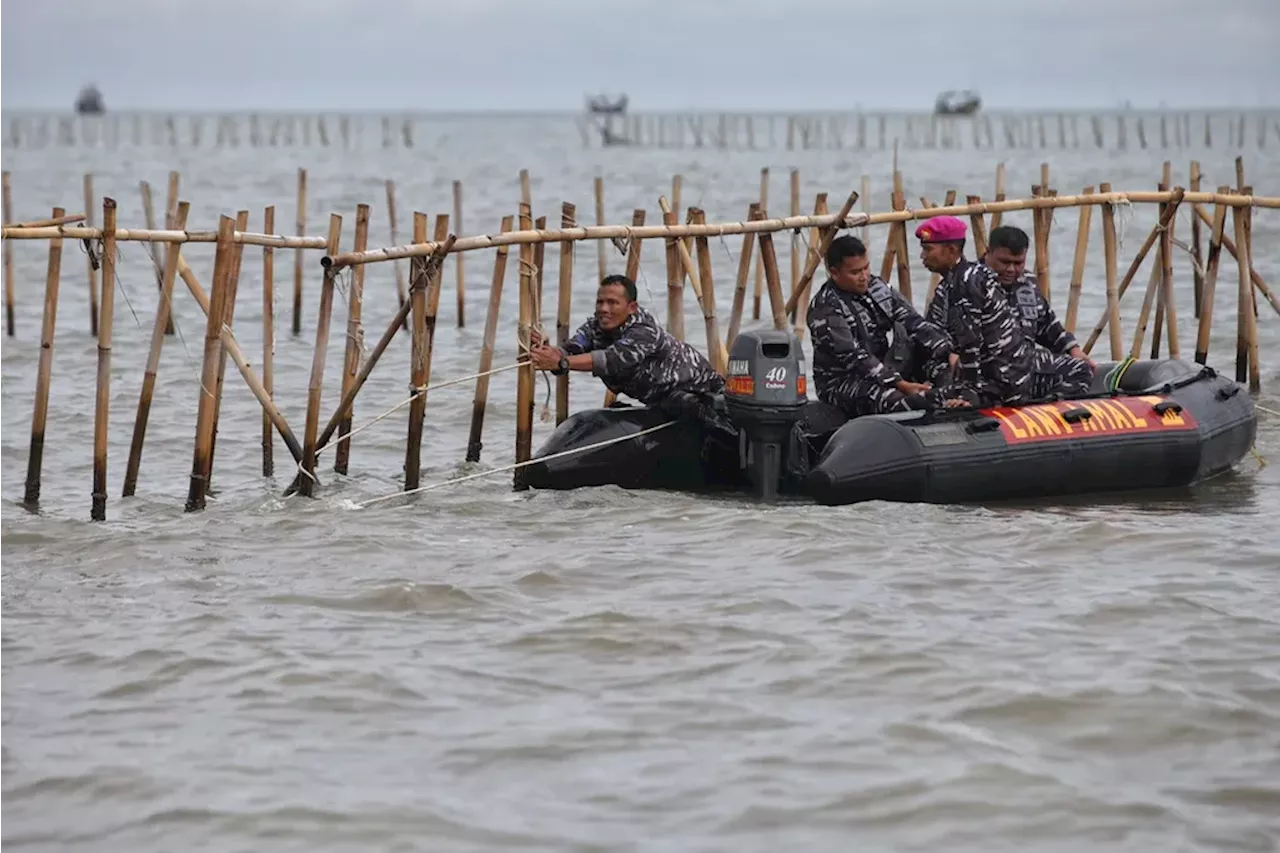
(626, 348)
(850, 318)
(991, 359)
(1061, 367)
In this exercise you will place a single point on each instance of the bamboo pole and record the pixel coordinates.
(815, 258)
(1197, 272)
(718, 356)
(457, 229)
(297, 260)
(7, 194)
(764, 205)
(1041, 238)
(391, 219)
(91, 262)
(40, 412)
(237, 256)
(524, 376)
(474, 443)
(142, 235)
(1246, 322)
(1078, 263)
(1210, 283)
(420, 275)
(995, 219)
(714, 345)
(539, 255)
(795, 235)
(355, 343)
(1166, 285)
(978, 225)
(1113, 293)
(600, 244)
(769, 262)
(675, 281)
(149, 216)
(306, 485)
(163, 311)
(900, 238)
(47, 222)
(744, 272)
(1107, 318)
(1165, 180)
(802, 307)
(1230, 246)
(102, 407)
(201, 462)
(268, 337)
(563, 307)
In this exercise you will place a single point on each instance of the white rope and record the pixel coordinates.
(512, 467)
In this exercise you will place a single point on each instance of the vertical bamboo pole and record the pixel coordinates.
(996, 217)
(1165, 181)
(90, 262)
(675, 282)
(297, 267)
(457, 258)
(102, 407)
(1078, 262)
(355, 341)
(563, 308)
(1197, 260)
(769, 262)
(677, 184)
(1041, 242)
(1255, 367)
(524, 380)
(1166, 287)
(419, 281)
(600, 244)
(201, 461)
(977, 223)
(40, 413)
(268, 336)
(715, 351)
(865, 186)
(744, 273)
(490, 335)
(539, 255)
(307, 482)
(237, 255)
(1246, 330)
(149, 216)
(815, 238)
(1211, 279)
(163, 311)
(1113, 295)
(764, 206)
(899, 233)
(795, 236)
(7, 194)
(395, 241)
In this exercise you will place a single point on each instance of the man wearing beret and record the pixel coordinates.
(991, 357)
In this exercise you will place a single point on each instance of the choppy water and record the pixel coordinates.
(477, 669)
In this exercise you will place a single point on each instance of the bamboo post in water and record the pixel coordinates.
(996, 217)
(419, 281)
(355, 342)
(40, 413)
(395, 241)
(457, 258)
(102, 407)
(899, 231)
(7, 194)
(815, 258)
(769, 262)
(744, 273)
(1165, 181)
(91, 262)
(237, 255)
(675, 281)
(163, 311)
(563, 307)
(795, 236)
(268, 336)
(539, 254)
(1113, 293)
(149, 217)
(202, 461)
(1246, 328)
(1211, 279)
(764, 206)
(490, 336)
(1166, 280)
(524, 375)
(1078, 262)
(802, 307)
(977, 223)
(1197, 272)
(715, 352)
(307, 482)
(600, 244)
(298, 259)
(1041, 239)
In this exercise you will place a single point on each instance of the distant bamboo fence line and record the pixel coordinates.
(688, 259)
(829, 130)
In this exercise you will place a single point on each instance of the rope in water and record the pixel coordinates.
(512, 467)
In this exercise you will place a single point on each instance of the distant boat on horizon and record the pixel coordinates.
(953, 103)
(601, 105)
(89, 102)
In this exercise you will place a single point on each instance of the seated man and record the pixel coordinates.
(624, 346)
(1060, 365)
(850, 318)
(991, 360)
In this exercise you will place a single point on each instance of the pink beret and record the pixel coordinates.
(940, 229)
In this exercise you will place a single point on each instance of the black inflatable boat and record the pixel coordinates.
(1145, 424)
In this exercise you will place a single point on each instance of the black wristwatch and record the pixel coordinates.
(563, 367)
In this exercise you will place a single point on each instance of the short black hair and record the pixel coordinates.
(627, 284)
(1008, 237)
(844, 247)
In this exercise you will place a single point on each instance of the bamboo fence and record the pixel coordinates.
(689, 261)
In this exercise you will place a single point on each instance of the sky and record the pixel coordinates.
(666, 54)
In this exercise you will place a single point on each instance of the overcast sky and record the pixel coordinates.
(667, 54)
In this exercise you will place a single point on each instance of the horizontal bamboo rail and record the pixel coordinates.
(143, 235)
(489, 241)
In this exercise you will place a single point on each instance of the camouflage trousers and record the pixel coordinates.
(860, 396)
(706, 410)
(1059, 376)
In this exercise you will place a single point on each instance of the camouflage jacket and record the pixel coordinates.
(642, 360)
(851, 333)
(1038, 320)
(995, 354)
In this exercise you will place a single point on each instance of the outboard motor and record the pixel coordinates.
(765, 395)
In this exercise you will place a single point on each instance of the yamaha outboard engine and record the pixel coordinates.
(765, 395)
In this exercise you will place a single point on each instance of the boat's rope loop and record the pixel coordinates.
(512, 467)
